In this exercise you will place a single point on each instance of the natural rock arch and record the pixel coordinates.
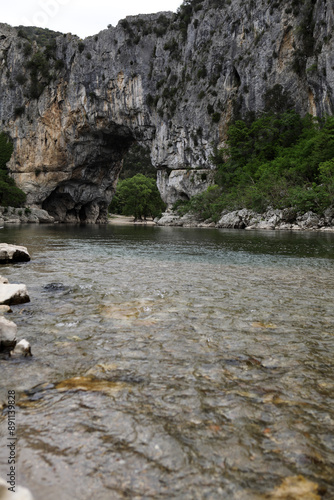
(86, 194)
(157, 81)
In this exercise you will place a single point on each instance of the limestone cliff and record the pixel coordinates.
(171, 81)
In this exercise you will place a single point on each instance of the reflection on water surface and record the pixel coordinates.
(173, 363)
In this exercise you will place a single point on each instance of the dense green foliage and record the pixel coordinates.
(10, 195)
(137, 196)
(137, 193)
(137, 161)
(274, 161)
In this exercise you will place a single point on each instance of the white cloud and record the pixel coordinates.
(80, 17)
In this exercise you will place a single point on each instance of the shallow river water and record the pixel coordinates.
(172, 363)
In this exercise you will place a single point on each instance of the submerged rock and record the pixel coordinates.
(91, 383)
(13, 253)
(296, 488)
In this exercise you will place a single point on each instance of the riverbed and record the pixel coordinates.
(172, 363)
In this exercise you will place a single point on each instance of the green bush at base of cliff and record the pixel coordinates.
(276, 161)
(10, 195)
(137, 196)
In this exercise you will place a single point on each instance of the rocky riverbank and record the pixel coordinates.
(287, 218)
(11, 215)
(12, 295)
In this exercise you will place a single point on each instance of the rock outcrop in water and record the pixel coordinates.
(170, 81)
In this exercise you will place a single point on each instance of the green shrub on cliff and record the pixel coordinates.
(10, 195)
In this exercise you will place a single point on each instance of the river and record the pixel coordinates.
(172, 363)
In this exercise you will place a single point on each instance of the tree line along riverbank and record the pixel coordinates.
(276, 161)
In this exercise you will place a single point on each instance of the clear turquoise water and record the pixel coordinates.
(206, 359)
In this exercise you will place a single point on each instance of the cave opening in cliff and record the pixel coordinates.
(86, 195)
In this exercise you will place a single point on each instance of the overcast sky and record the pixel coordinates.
(80, 17)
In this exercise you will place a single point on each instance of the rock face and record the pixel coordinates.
(170, 81)
(13, 253)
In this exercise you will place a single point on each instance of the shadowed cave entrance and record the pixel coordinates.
(87, 193)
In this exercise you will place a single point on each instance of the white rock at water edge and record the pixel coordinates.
(13, 294)
(8, 332)
(20, 492)
(23, 347)
(8, 329)
(13, 253)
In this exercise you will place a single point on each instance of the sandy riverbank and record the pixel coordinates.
(124, 220)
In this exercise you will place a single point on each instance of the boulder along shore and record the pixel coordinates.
(11, 215)
(272, 219)
(286, 219)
